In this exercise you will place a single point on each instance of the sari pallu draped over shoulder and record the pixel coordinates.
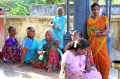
(51, 56)
(98, 45)
(15, 47)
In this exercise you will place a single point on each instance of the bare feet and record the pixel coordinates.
(21, 65)
(49, 70)
(13, 60)
(40, 63)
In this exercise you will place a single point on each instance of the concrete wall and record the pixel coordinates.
(115, 25)
(1, 32)
(115, 9)
(50, 10)
(21, 23)
(41, 23)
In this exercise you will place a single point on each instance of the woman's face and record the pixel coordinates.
(31, 33)
(74, 36)
(12, 32)
(81, 51)
(48, 36)
(96, 10)
(60, 12)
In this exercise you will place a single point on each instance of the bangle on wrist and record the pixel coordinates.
(87, 60)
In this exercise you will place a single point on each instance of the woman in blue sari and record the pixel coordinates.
(58, 25)
(30, 45)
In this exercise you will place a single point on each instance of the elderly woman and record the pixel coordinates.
(49, 48)
(58, 25)
(76, 35)
(30, 45)
(12, 49)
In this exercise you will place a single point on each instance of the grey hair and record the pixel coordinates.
(78, 33)
(60, 8)
(49, 30)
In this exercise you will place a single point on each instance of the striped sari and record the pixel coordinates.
(98, 45)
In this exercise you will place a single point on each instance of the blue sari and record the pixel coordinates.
(32, 49)
(59, 31)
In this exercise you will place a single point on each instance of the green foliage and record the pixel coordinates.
(14, 5)
(54, 1)
(19, 10)
(20, 7)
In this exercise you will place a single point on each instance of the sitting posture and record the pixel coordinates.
(12, 49)
(75, 65)
(30, 45)
(50, 49)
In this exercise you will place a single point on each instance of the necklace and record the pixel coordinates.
(80, 64)
(95, 17)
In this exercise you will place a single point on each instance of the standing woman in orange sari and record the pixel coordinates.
(97, 30)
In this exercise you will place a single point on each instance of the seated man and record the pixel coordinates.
(50, 49)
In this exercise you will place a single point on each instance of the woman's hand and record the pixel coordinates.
(89, 53)
(99, 32)
(41, 52)
(52, 25)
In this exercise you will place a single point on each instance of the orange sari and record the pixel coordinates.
(99, 45)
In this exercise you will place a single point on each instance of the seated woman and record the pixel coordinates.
(12, 49)
(30, 45)
(75, 65)
(50, 49)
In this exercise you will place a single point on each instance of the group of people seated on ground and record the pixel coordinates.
(31, 50)
(81, 59)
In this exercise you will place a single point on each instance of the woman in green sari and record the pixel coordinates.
(50, 49)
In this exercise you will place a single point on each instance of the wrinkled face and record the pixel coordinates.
(12, 31)
(31, 33)
(74, 36)
(48, 36)
(96, 10)
(60, 12)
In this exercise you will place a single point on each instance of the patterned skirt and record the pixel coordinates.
(51, 58)
(16, 51)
